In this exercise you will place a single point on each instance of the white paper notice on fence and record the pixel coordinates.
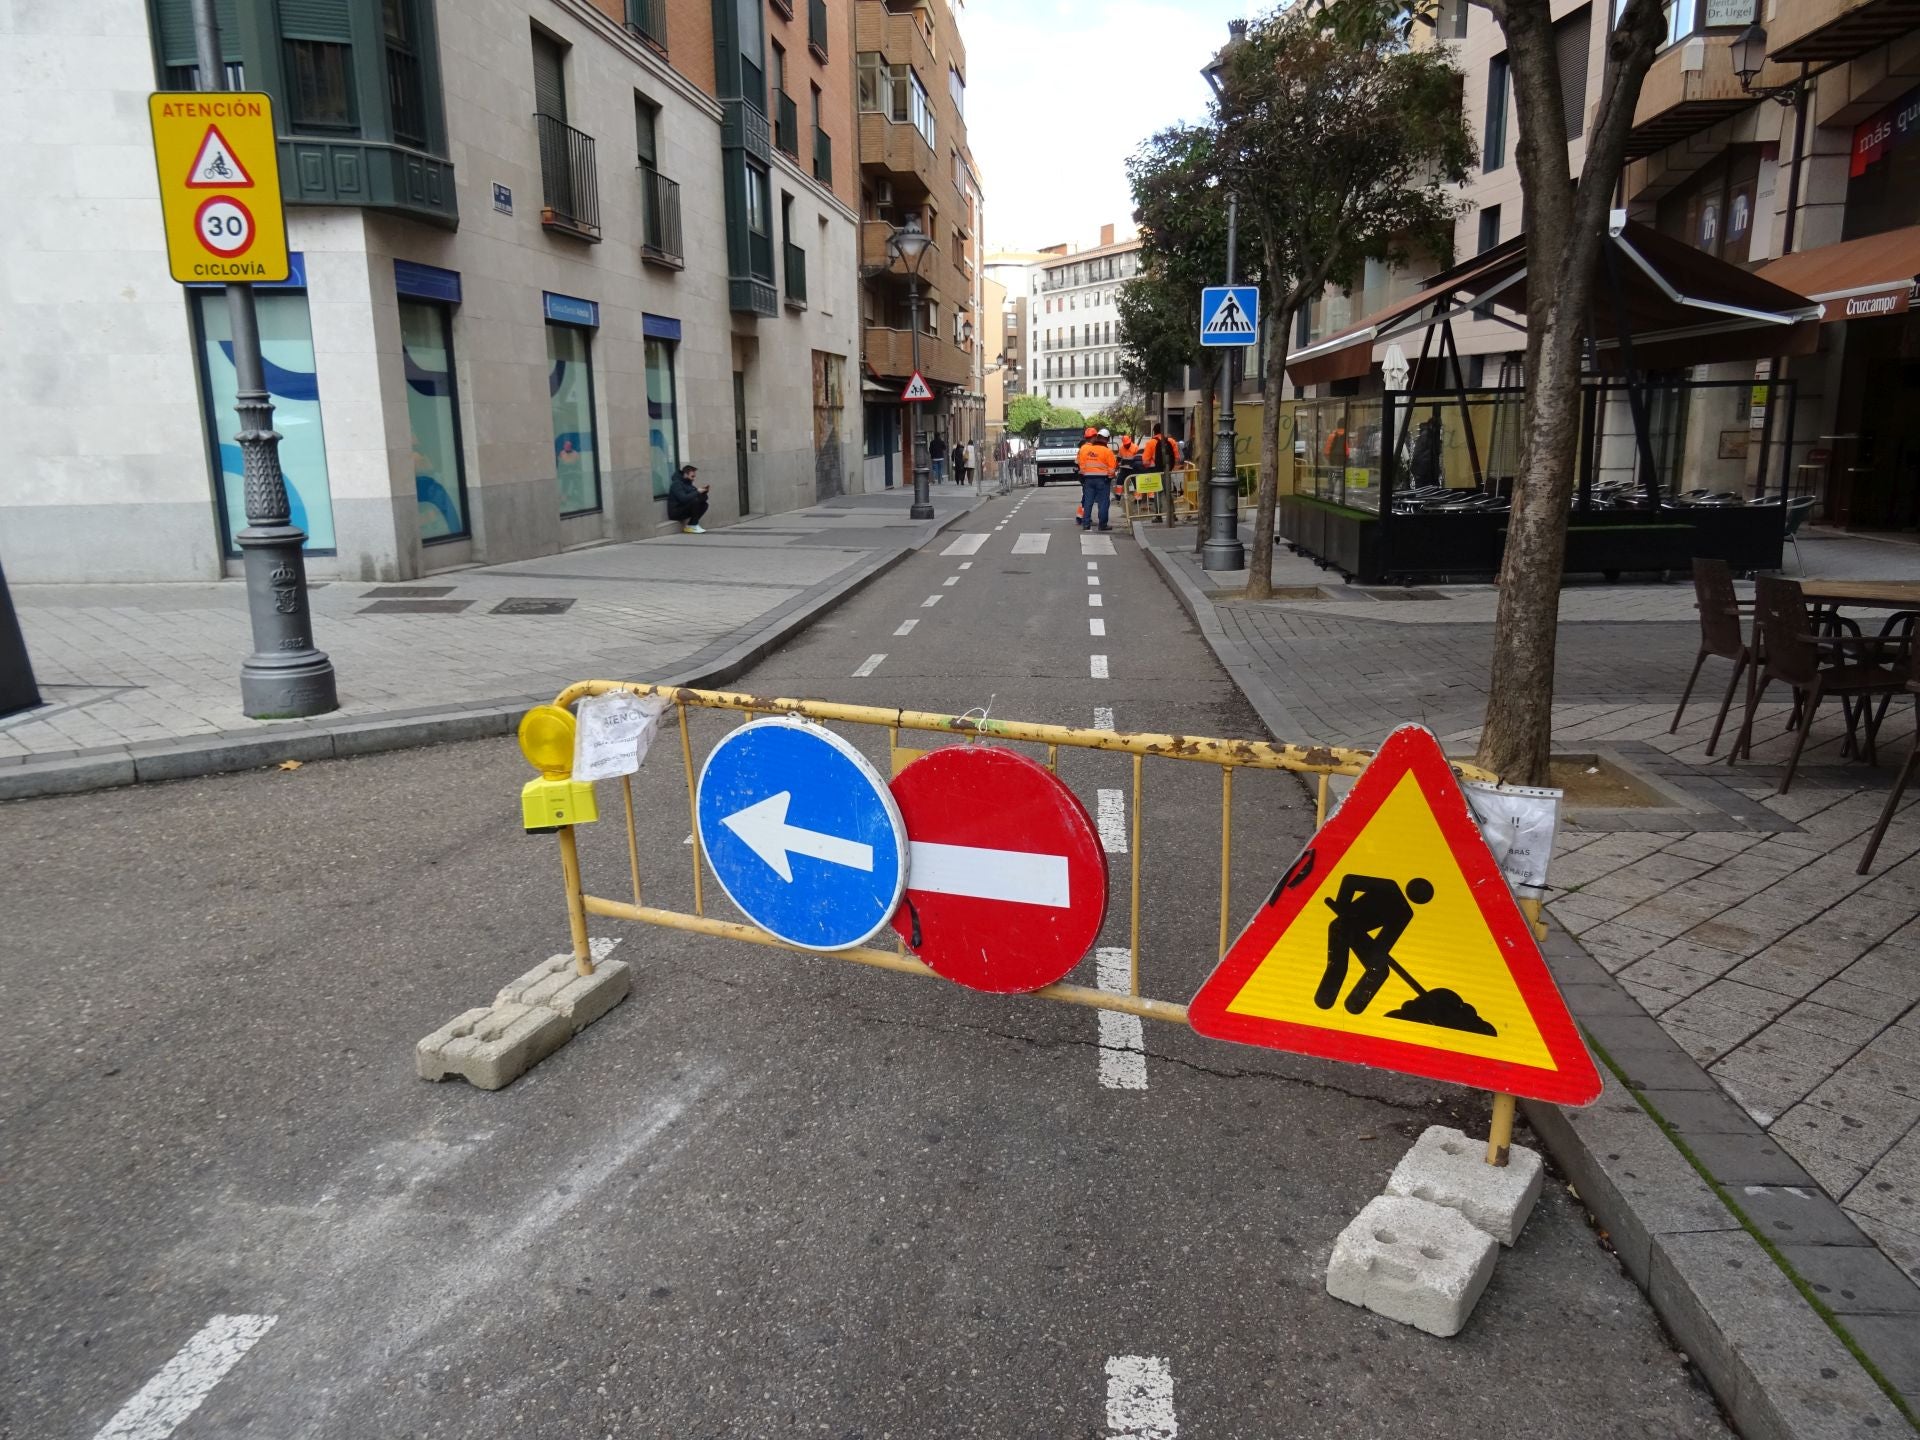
(612, 732)
(1519, 822)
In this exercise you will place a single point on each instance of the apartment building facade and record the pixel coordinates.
(1073, 325)
(1781, 136)
(545, 253)
(916, 166)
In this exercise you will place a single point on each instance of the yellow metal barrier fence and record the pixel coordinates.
(1229, 755)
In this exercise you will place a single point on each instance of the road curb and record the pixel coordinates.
(116, 766)
(1781, 1368)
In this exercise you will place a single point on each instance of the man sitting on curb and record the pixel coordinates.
(686, 501)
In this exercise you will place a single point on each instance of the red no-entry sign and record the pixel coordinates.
(1007, 882)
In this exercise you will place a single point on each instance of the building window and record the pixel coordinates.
(957, 91)
(318, 36)
(439, 477)
(1489, 228)
(406, 90)
(663, 413)
(1494, 154)
(896, 92)
(1572, 35)
(1883, 174)
(286, 344)
(576, 450)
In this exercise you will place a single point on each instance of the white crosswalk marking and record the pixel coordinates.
(1096, 545)
(1031, 542)
(1123, 1045)
(1140, 1399)
(867, 666)
(966, 544)
(1099, 667)
(165, 1401)
(1110, 819)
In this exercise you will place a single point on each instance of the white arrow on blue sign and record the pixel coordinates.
(802, 833)
(1229, 314)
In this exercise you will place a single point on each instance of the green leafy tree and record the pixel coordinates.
(1129, 417)
(1340, 146)
(1565, 224)
(1027, 414)
(1063, 417)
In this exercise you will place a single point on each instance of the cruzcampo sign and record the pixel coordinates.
(219, 173)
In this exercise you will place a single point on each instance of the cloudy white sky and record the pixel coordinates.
(1059, 92)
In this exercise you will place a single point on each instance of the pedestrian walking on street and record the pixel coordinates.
(937, 456)
(963, 462)
(686, 501)
(1098, 465)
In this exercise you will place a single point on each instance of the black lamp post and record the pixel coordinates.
(908, 245)
(1223, 550)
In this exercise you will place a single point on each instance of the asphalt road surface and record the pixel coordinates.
(770, 1195)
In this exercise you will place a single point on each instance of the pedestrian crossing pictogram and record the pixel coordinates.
(216, 166)
(1393, 940)
(1229, 314)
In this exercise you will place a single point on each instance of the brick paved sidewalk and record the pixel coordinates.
(1732, 914)
(127, 665)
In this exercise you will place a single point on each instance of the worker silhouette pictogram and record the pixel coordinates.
(1369, 917)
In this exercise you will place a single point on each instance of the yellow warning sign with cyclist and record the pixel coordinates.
(219, 171)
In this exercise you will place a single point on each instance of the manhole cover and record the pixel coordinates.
(531, 605)
(406, 592)
(414, 607)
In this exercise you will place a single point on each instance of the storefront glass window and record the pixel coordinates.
(286, 345)
(576, 452)
(663, 415)
(439, 481)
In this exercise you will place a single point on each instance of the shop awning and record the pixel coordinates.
(1856, 279)
(1681, 306)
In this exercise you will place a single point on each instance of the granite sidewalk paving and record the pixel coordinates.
(141, 681)
(1730, 914)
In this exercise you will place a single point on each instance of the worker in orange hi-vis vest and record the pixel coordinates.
(1098, 465)
(1161, 453)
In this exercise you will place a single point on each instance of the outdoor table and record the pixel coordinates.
(1871, 594)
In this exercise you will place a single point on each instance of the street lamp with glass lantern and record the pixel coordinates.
(908, 244)
(1223, 550)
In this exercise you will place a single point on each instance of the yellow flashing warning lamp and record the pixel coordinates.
(556, 798)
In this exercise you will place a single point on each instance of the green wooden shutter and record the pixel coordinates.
(549, 78)
(173, 25)
(316, 20)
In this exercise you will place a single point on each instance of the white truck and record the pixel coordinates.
(1056, 456)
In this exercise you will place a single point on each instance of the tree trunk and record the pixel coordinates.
(1200, 452)
(1260, 558)
(1565, 230)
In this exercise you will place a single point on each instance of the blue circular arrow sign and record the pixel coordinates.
(802, 833)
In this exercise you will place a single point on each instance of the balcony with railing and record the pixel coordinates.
(786, 124)
(660, 241)
(648, 20)
(569, 184)
(1690, 86)
(895, 34)
(796, 275)
(817, 27)
(894, 148)
(822, 156)
(890, 353)
(1817, 31)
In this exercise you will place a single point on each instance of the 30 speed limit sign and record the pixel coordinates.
(219, 174)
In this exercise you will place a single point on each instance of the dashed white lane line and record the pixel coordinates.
(930, 602)
(966, 544)
(1099, 667)
(1096, 626)
(1103, 717)
(966, 564)
(1123, 1045)
(187, 1379)
(1096, 599)
(1096, 545)
(601, 946)
(1093, 564)
(1110, 819)
(906, 627)
(951, 580)
(1140, 1399)
(867, 666)
(1093, 579)
(1031, 542)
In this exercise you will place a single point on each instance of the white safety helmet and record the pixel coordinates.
(1106, 434)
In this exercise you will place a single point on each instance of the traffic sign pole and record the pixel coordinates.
(1223, 550)
(285, 676)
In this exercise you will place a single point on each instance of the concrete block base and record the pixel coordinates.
(1412, 1261)
(1447, 1167)
(532, 1017)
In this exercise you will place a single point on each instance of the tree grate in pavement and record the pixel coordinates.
(414, 607)
(531, 605)
(406, 592)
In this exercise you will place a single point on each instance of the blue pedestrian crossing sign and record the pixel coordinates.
(802, 833)
(1229, 314)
